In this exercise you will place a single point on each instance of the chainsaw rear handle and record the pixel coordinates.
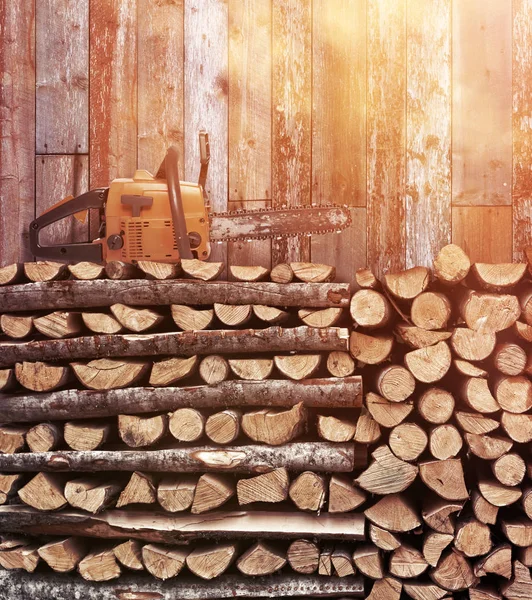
(68, 252)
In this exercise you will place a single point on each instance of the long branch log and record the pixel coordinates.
(68, 294)
(180, 343)
(182, 528)
(312, 456)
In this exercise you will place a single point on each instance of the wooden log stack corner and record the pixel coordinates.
(215, 433)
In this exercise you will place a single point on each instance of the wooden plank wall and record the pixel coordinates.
(413, 113)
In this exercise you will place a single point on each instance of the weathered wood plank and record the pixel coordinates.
(160, 81)
(62, 78)
(386, 123)
(291, 124)
(428, 131)
(206, 103)
(484, 232)
(482, 102)
(522, 127)
(17, 128)
(56, 178)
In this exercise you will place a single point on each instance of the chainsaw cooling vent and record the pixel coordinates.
(139, 247)
(133, 248)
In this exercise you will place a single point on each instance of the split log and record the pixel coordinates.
(436, 405)
(325, 563)
(407, 562)
(418, 338)
(489, 312)
(251, 369)
(319, 456)
(394, 512)
(437, 514)
(87, 270)
(129, 554)
(282, 273)
(121, 271)
(42, 271)
(10, 274)
(387, 588)
(44, 492)
(408, 441)
(138, 432)
(342, 562)
(7, 380)
(159, 270)
(248, 273)
(101, 323)
(308, 491)
(176, 494)
(488, 447)
(163, 562)
(434, 544)
(472, 537)
(275, 427)
(223, 427)
(510, 359)
(168, 372)
(425, 591)
(469, 344)
(452, 265)
(63, 555)
(214, 369)
(86, 435)
(184, 343)
(368, 561)
(385, 540)
(261, 559)
(431, 311)
(467, 369)
(445, 477)
(313, 272)
(387, 413)
(498, 277)
(370, 309)
(298, 366)
(526, 501)
(44, 437)
(395, 383)
(198, 269)
(268, 487)
(334, 429)
(483, 510)
(454, 572)
(340, 364)
(59, 325)
(517, 427)
(41, 377)
(366, 279)
(212, 490)
(233, 315)
(303, 556)
(17, 326)
(344, 497)
(520, 587)
(186, 424)
(430, 364)
(324, 317)
(386, 474)
(475, 423)
(90, 494)
(525, 556)
(137, 320)
(140, 489)
(109, 373)
(513, 394)
(191, 319)
(368, 349)
(23, 557)
(408, 284)
(212, 561)
(445, 441)
(99, 566)
(475, 393)
(498, 562)
(270, 314)
(12, 439)
(497, 494)
(518, 531)
(9, 484)
(368, 431)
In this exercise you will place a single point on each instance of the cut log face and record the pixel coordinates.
(333, 429)
(518, 427)
(223, 427)
(21, 557)
(211, 492)
(452, 265)
(430, 364)
(45, 271)
(433, 546)
(342, 562)
(488, 447)
(251, 369)
(90, 494)
(129, 554)
(525, 556)
(454, 572)
(370, 309)
(518, 532)
(368, 431)
(344, 497)
(59, 325)
(513, 394)
(476, 393)
(416, 338)
(467, 369)
(523, 331)
(186, 424)
(408, 441)
(387, 474)
(366, 279)
(118, 270)
(370, 350)
(12, 439)
(303, 556)
(340, 364)
(526, 502)
(248, 273)
(270, 314)
(325, 317)
(109, 373)
(137, 431)
(198, 269)
(497, 494)
(425, 591)
(308, 491)
(445, 442)
(394, 513)
(510, 359)
(191, 319)
(445, 477)
(408, 284)
(385, 540)
(498, 562)
(163, 562)
(395, 383)
(139, 490)
(86, 435)
(261, 559)
(9, 485)
(472, 538)
(298, 366)
(63, 555)
(136, 319)
(387, 588)
(407, 562)
(87, 270)
(233, 315)
(44, 492)
(368, 561)
(159, 270)
(101, 323)
(7, 380)
(473, 345)
(214, 369)
(431, 311)
(313, 272)
(10, 274)
(483, 510)
(41, 377)
(167, 372)
(387, 413)
(437, 514)
(520, 588)
(212, 561)
(475, 423)
(282, 273)
(436, 405)
(489, 312)
(274, 427)
(268, 487)
(176, 494)
(16, 326)
(498, 277)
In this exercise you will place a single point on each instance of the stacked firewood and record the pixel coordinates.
(178, 426)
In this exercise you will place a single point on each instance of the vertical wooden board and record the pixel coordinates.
(17, 128)
(522, 127)
(57, 177)
(113, 90)
(428, 130)
(386, 106)
(160, 81)
(206, 104)
(250, 30)
(484, 232)
(291, 105)
(345, 250)
(62, 78)
(482, 102)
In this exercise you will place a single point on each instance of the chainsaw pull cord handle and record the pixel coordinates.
(171, 163)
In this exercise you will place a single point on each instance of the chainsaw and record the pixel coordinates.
(160, 218)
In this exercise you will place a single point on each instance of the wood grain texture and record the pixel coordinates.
(522, 127)
(482, 102)
(386, 122)
(291, 106)
(484, 232)
(17, 128)
(250, 114)
(56, 178)
(160, 81)
(62, 77)
(428, 131)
